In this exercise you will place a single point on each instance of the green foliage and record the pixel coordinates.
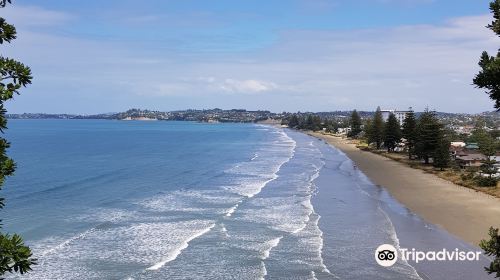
(492, 248)
(488, 147)
(330, 126)
(489, 76)
(486, 181)
(7, 31)
(392, 133)
(293, 122)
(309, 122)
(4, 2)
(410, 132)
(495, 9)
(313, 123)
(14, 255)
(355, 123)
(441, 155)
(375, 129)
(428, 135)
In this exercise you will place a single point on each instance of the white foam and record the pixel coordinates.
(172, 256)
(257, 173)
(395, 240)
(264, 271)
(232, 209)
(64, 244)
(224, 230)
(270, 245)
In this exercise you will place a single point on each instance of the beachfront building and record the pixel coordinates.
(469, 158)
(400, 115)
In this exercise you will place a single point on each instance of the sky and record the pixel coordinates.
(281, 55)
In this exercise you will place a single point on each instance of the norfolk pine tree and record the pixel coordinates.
(376, 129)
(488, 147)
(14, 255)
(410, 132)
(428, 131)
(489, 79)
(442, 153)
(355, 123)
(489, 76)
(392, 133)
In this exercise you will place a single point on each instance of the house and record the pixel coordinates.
(472, 146)
(343, 130)
(469, 158)
(458, 144)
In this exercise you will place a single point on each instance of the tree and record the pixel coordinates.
(14, 255)
(442, 153)
(375, 130)
(294, 121)
(355, 123)
(488, 147)
(489, 76)
(492, 248)
(428, 131)
(392, 133)
(410, 132)
(330, 126)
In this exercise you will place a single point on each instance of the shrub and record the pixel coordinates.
(486, 181)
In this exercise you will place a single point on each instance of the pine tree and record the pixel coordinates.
(441, 155)
(488, 147)
(355, 123)
(294, 121)
(428, 131)
(489, 76)
(317, 123)
(392, 133)
(376, 129)
(410, 132)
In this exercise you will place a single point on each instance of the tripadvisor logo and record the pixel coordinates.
(387, 255)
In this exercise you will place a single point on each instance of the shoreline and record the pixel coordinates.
(463, 212)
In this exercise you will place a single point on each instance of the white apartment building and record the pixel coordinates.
(400, 115)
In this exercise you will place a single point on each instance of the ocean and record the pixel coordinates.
(99, 199)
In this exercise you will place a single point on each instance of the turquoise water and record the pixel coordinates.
(180, 200)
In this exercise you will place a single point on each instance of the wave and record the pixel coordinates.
(252, 176)
(65, 243)
(270, 245)
(233, 209)
(172, 256)
(394, 237)
(266, 252)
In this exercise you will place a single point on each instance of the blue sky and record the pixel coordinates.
(308, 55)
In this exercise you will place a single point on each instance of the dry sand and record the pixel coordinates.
(464, 212)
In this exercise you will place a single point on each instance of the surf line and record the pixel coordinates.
(179, 250)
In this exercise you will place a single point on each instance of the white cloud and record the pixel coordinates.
(396, 67)
(246, 86)
(34, 16)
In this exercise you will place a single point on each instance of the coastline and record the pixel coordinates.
(463, 212)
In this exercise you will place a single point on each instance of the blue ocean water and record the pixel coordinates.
(102, 199)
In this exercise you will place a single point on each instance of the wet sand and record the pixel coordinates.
(463, 212)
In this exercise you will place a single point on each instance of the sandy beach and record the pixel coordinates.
(463, 212)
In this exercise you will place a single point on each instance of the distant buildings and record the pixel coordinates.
(400, 115)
